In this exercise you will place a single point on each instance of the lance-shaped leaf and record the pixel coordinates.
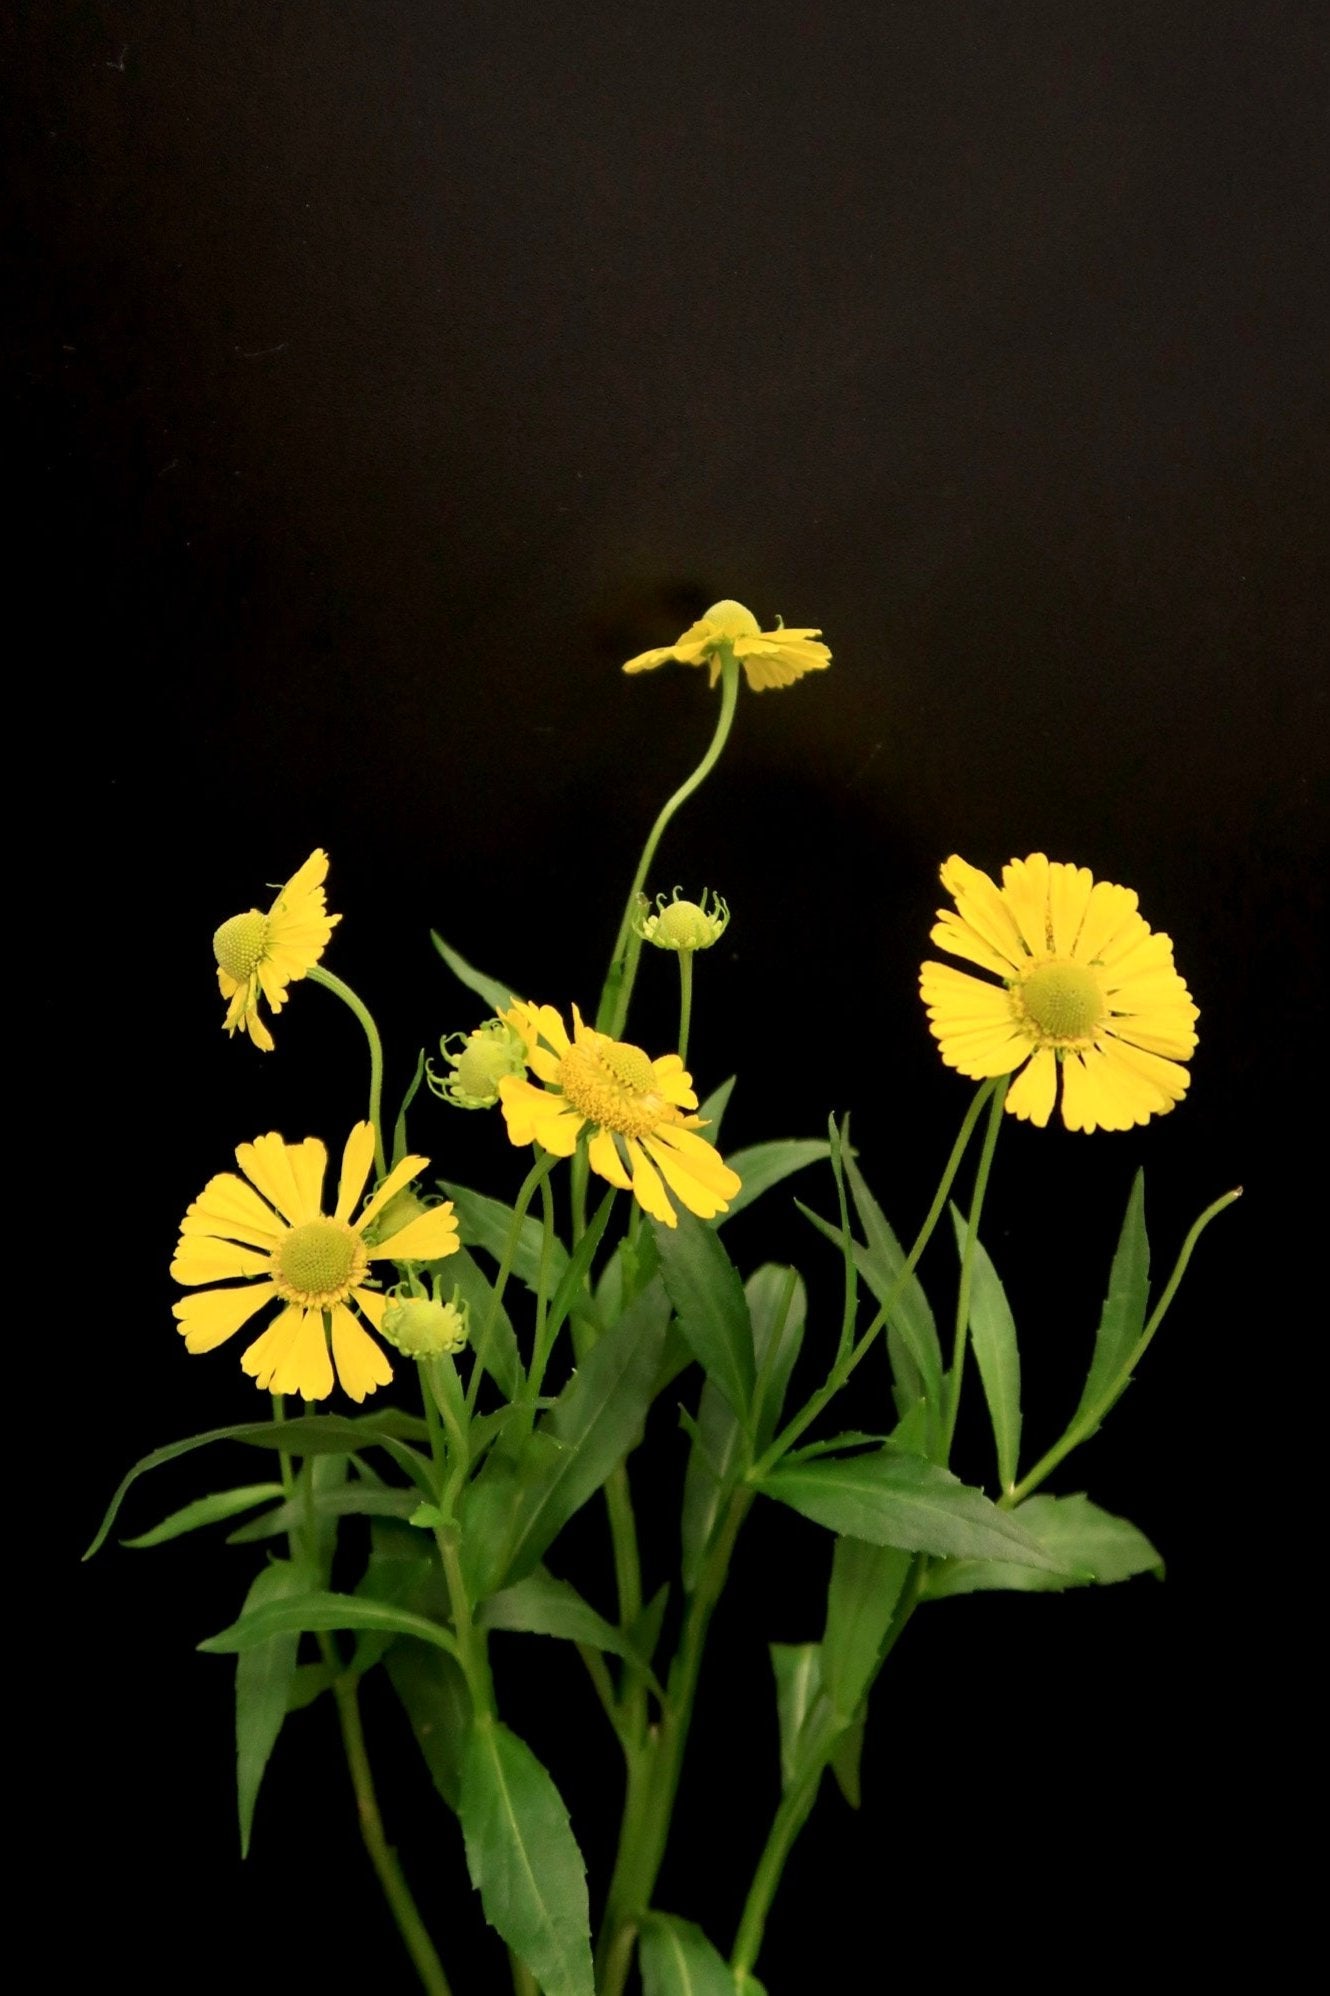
(325, 1611)
(493, 1338)
(881, 1266)
(544, 1605)
(264, 1676)
(432, 1689)
(497, 996)
(865, 1586)
(993, 1337)
(524, 1860)
(679, 1960)
(798, 1669)
(1088, 1547)
(1123, 1316)
(212, 1510)
(488, 1223)
(763, 1165)
(357, 1499)
(894, 1499)
(706, 1292)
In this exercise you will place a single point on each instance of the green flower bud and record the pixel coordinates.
(420, 1327)
(487, 1055)
(683, 925)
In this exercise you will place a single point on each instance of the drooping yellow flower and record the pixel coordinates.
(769, 658)
(258, 953)
(635, 1108)
(1087, 991)
(283, 1247)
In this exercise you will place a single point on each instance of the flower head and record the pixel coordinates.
(683, 925)
(1086, 991)
(634, 1107)
(485, 1056)
(423, 1327)
(269, 1230)
(769, 658)
(258, 953)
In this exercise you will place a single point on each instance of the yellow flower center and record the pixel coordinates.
(731, 620)
(319, 1264)
(613, 1084)
(239, 944)
(1062, 1001)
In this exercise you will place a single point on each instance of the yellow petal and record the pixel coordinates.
(1107, 912)
(650, 1194)
(305, 1366)
(982, 908)
(211, 1316)
(1025, 886)
(257, 1031)
(604, 1159)
(232, 1210)
(267, 1163)
(951, 933)
(261, 1359)
(374, 1304)
(1069, 889)
(1034, 1091)
(357, 1157)
(400, 1175)
(533, 1116)
(199, 1259)
(674, 1082)
(705, 1185)
(426, 1238)
(361, 1364)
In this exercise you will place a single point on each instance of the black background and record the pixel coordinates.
(386, 375)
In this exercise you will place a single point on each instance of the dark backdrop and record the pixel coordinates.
(386, 375)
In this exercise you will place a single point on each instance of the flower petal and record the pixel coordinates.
(267, 1163)
(199, 1258)
(361, 1364)
(694, 1171)
(210, 1316)
(1034, 1091)
(1069, 890)
(231, 1210)
(648, 1191)
(400, 1175)
(982, 908)
(674, 1081)
(535, 1117)
(603, 1157)
(261, 1359)
(357, 1157)
(1025, 887)
(428, 1237)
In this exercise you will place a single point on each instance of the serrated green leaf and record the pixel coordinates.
(678, 1960)
(433, 1694)
(798, 1670)
(1088, 1548)
(715, 1454)
(488, 1223)
(846, 1757)
(777, 1307)
(881, 1266)
(350, 1500)
(704, 1287)
(324, 1611)
(763, 1165)
(524, 1860)
(894, 1499)
(865, 1586)
(263, 1682)
(1122, 1318)
(713, 1109)
(997, 1353)
(496, 1347)
(499, 997)
(211, 1510)
(544, 1605)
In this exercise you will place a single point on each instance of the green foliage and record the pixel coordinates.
(864, 1589)
(894, 1499)
(321, 1610)
(679, 1960)
(993, 1338)
(544, 1605)
(704, 1287)
(264, 1675)
(763, 1165)
(1123, 1316)
(207, 1511)
(1086, 1547)
(497, 996)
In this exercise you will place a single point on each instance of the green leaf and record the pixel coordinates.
(777, 1306)
(399, 1127)
(524, 1860)
(309, 1682)
(591, 1427)
(488, 1223)
(499, 997)
(1123, 1316)
(881, 1266)
(402, 1572)
(713, 1109)
(846, 1756)
(894, 1499)
(704, 1287)
(679, 1960)
(207, 1511)
(308, 1434)
(433, 1693)
(544, 1605)
(263, 1682)
(798, 1668)
(358, 1499)
(1088, 1547)
(865, 1586)
(763, 1165)
(715, 1457)
(993, 1336)
(497, 1349)
(324, 1611)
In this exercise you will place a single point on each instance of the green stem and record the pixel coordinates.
(1082, 1428)
(524, 1982)
(685, 1001)
(845, 1365)
(618, 989)
(318, 975)
(545, 1162)
(962, 1332)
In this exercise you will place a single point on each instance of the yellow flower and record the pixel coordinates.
(633, 1106)
(769, 658)
(1086, 989)
(284, 1247)
(258, 953)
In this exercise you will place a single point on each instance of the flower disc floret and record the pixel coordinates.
(642, 1137)
(683, 926)
(769, 658)
(259, 955)
(1087, 995)
(265, 1238)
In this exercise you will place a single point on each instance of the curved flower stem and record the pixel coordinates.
(318, 975)
(962, 1333)
(618, 988)
(1081, 1429)
(685, 1001)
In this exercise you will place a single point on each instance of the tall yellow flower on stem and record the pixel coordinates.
(635, 1108)
(283, 1247)
(1087, 992)
(258, 953)
(769, 658)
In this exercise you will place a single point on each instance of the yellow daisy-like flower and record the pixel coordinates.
(769, 658)
(1087, 990)
(634, 1106)
(258, 953)
(283, 1247)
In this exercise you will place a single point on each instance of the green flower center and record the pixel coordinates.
(682, 925)
(420, 1327)
(240, 943)
(319, 1264)
(1063, 1001)
(613, 1084)
(731, 620)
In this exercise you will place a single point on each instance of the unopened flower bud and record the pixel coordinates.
(423, 1328)
(684, 925)
(484, 1058)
